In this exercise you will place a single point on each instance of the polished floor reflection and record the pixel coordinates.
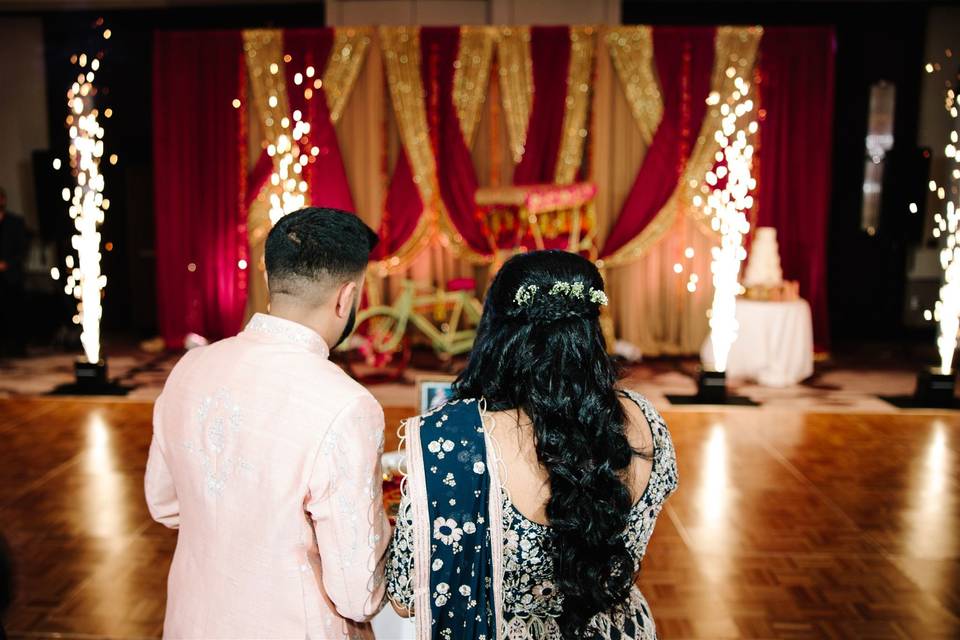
(784, 526)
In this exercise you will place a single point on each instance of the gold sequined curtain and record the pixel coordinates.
(663, 317)
(263, 49)
(516, 84)
(577, 104)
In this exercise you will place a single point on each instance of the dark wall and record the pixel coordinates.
(875, 41)
(125, 82)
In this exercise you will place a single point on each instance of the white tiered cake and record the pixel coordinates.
(763, 269)
(763, 278)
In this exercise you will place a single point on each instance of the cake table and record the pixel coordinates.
(774, 344)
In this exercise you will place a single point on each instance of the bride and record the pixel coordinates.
(531, 496)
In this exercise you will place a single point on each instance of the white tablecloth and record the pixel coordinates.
(387, 625)
(774, 344)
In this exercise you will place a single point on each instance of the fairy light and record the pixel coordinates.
(946, 311)
(727, 204)
(84, 281)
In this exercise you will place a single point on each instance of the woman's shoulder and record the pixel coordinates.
(637, 405)
(645, 422)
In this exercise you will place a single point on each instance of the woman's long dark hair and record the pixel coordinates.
(545, 355)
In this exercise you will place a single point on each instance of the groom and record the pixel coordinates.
(266, 457)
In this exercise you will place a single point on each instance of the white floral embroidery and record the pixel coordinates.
(469, 527)
(479, 468)
(219, 419)
(446, 531)
(465, 590)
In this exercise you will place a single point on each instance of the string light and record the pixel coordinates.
(728, 204)
(946, 311)
(84, 280)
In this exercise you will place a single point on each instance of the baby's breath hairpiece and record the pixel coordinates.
(526, 293)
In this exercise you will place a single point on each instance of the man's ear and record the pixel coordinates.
(345, 298)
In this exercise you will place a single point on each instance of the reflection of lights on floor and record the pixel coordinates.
(713, 536)
(104, 500)
(929, 513)
(714, 491)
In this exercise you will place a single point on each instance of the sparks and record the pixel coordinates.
(946, 311)
(728, 204)
(84, 280)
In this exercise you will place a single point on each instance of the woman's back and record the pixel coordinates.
(532, 602)
(532, 499)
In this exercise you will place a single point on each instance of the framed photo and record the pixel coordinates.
(433, 391)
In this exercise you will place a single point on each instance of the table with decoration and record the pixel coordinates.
(774, 344)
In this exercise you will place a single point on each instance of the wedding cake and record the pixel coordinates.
(763, 269)
(763, 278)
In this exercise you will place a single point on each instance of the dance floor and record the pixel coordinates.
(786, 525)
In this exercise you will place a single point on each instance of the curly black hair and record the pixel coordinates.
(545, 355)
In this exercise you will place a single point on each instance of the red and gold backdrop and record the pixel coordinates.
(406, 123)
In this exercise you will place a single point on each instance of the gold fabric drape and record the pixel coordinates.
(662, 316)
(516, 84)
(263, 51)
(471, 77)
(574, 131)
(650, 303)
(346, 59)
(736, 54)
(631, 49)
(733, 46)
(401, 52)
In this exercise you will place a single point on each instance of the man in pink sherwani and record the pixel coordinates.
(266, 457)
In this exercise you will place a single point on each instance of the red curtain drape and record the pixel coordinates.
(325, 174)
(550, 55)
(402, 209)
(684, 61)
(199, 153)
(439, 48)
(796, 101)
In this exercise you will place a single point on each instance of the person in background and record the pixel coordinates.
(13, 255)
(266, 457)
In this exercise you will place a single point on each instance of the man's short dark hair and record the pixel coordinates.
(316, 246)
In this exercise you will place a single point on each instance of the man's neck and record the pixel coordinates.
(308, 317)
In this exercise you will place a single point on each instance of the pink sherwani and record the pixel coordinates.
(266, 457)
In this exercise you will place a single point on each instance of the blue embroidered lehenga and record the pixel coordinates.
(445, 561)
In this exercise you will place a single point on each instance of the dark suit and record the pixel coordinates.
(13, 251)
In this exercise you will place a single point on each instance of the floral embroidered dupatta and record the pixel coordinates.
(456, 507)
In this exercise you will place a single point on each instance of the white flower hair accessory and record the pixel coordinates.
(524, 295)
(527, 293)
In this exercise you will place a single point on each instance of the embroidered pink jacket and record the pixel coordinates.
(266, 457)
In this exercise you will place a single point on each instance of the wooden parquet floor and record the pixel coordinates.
(785, 525)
